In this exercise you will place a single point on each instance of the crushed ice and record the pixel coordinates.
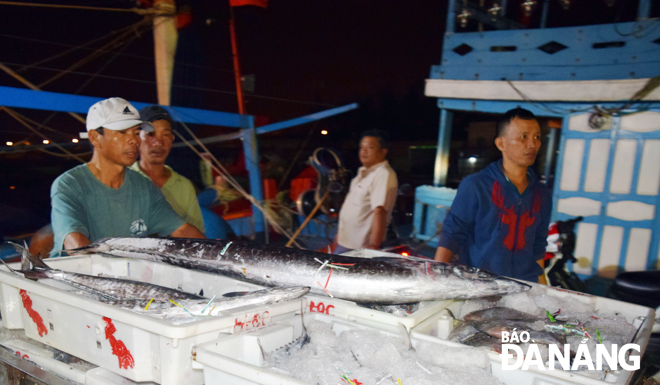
(370, 356)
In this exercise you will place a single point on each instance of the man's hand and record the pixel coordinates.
(187, 231)
(442, 254)
(378, 227)
(75, 240)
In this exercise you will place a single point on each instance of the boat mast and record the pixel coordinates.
(165, 40)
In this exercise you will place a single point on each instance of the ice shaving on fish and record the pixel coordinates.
(548, 319)
(154, 300)
(383, 280)
(364, 356)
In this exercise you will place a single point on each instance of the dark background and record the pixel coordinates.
(306, 56)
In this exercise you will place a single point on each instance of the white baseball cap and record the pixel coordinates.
(114, 114)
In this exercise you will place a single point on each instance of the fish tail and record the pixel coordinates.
(24, 251)
(28, 258)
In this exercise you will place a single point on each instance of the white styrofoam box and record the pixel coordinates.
(375, 318)
(237, 359)
(136, 346)
(634, 314)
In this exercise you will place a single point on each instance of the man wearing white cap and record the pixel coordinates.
(102, 198)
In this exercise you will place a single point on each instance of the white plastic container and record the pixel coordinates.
(237, 359)
(428, 331)
(135, 346)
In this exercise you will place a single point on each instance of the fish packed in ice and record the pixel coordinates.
(547, 319)
(375, 280)
(371, 357)
(144, 297)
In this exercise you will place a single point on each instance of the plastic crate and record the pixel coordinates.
(138, 347)
(237, 359)
(429, 329)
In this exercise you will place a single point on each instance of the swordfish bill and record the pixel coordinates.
(382, 280)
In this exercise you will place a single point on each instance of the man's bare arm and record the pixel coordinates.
(75, 240)
(378, 228)
(443, 254)
(187, 231)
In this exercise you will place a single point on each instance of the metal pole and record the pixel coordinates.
(644, 9)
(442, 153)
(237, 67)
(544, 15)
(252, 165)
(309, 218)
(451, 16)
(165, 40)
(550, 154)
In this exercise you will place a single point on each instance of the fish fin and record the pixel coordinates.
(32, 274)
(201, 293)
(355, 357)
(406, 336)
(26, 257)
(449, 312)
(36, 262)
(263, 353)
(304, 336)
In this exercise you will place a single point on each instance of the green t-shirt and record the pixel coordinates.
(180, 193)
(81, 203)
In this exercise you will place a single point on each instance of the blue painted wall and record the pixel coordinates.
(632, 50)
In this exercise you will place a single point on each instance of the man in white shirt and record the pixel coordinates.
(367, 210)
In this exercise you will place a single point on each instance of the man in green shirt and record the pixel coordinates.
(154, 149)
(102, 198)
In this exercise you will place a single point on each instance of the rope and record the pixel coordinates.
(651, 85)
(132, 10)
(77, 47)
(542, 106)
(19, 118)
(64, 155)
(113, 43)
(107, 63)
(83, 47)
(40, 126)
(230, 179)
(253, 96)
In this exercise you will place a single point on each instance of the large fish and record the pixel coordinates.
(375, 280)
(129, 293)
(498, 313)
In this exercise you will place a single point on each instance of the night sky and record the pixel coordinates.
(306, 57)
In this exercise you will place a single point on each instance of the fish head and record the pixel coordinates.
(471, 282)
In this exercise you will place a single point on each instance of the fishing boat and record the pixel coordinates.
(594, 88)
(599, 87)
